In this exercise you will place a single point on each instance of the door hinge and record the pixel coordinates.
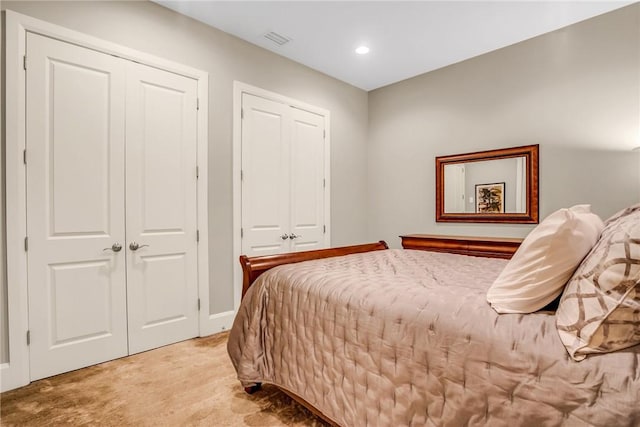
(324, 183)
(241, 175)
(324, 134)
(28, 337)
(242, 232)
(197, 235)
(198, 304)
(324, 229)
(24, 62)
(197, 172)
(242, 113)
(24, 156)
(26, 243)
(197, 103)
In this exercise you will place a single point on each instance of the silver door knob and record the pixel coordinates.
(116, 247)
(284, 237)
(134, 246)
(293, 236)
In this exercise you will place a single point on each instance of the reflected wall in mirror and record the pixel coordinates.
(499, 186)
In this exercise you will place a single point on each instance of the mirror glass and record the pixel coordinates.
(489, 186)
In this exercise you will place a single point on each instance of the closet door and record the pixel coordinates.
(75, 206)
(307, 181)
(161, 207)
(266, 158)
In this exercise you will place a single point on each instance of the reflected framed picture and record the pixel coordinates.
(490, 198)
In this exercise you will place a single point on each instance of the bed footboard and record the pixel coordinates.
(252, 267)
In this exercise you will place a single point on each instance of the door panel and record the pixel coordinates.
(75, 206)
(265, 182)
(159, 269)
(79, 147)
(161, 207)
(79, 281)
(162, 158)
(307, 181)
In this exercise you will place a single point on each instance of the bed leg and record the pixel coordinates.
(252, 389)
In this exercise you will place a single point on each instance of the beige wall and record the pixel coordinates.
(574, 91)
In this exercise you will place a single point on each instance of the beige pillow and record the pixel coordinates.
(600, 308)
(545, 261)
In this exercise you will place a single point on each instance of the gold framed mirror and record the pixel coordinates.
(495, 186)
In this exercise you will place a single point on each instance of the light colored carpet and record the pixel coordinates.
(191, 383)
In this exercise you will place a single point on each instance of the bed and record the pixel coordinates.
(370, 336)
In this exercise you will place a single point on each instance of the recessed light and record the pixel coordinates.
(362, 50)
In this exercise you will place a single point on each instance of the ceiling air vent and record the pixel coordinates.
(277, 38)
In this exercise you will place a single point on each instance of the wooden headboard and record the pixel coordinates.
(252, 267)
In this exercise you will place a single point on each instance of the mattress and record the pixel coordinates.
(406, 338)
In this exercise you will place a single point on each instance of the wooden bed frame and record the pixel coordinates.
(252, 267)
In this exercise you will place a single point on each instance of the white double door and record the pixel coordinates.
(283, 178)
(111, 206)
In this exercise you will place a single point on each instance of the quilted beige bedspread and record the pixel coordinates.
(406, 338)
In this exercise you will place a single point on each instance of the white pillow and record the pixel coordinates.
(545, 261)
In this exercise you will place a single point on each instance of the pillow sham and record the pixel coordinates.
(545, 261)
(599, 311)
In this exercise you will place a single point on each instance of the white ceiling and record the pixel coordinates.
(407, 38)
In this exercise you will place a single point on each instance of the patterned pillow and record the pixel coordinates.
(600, 308)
